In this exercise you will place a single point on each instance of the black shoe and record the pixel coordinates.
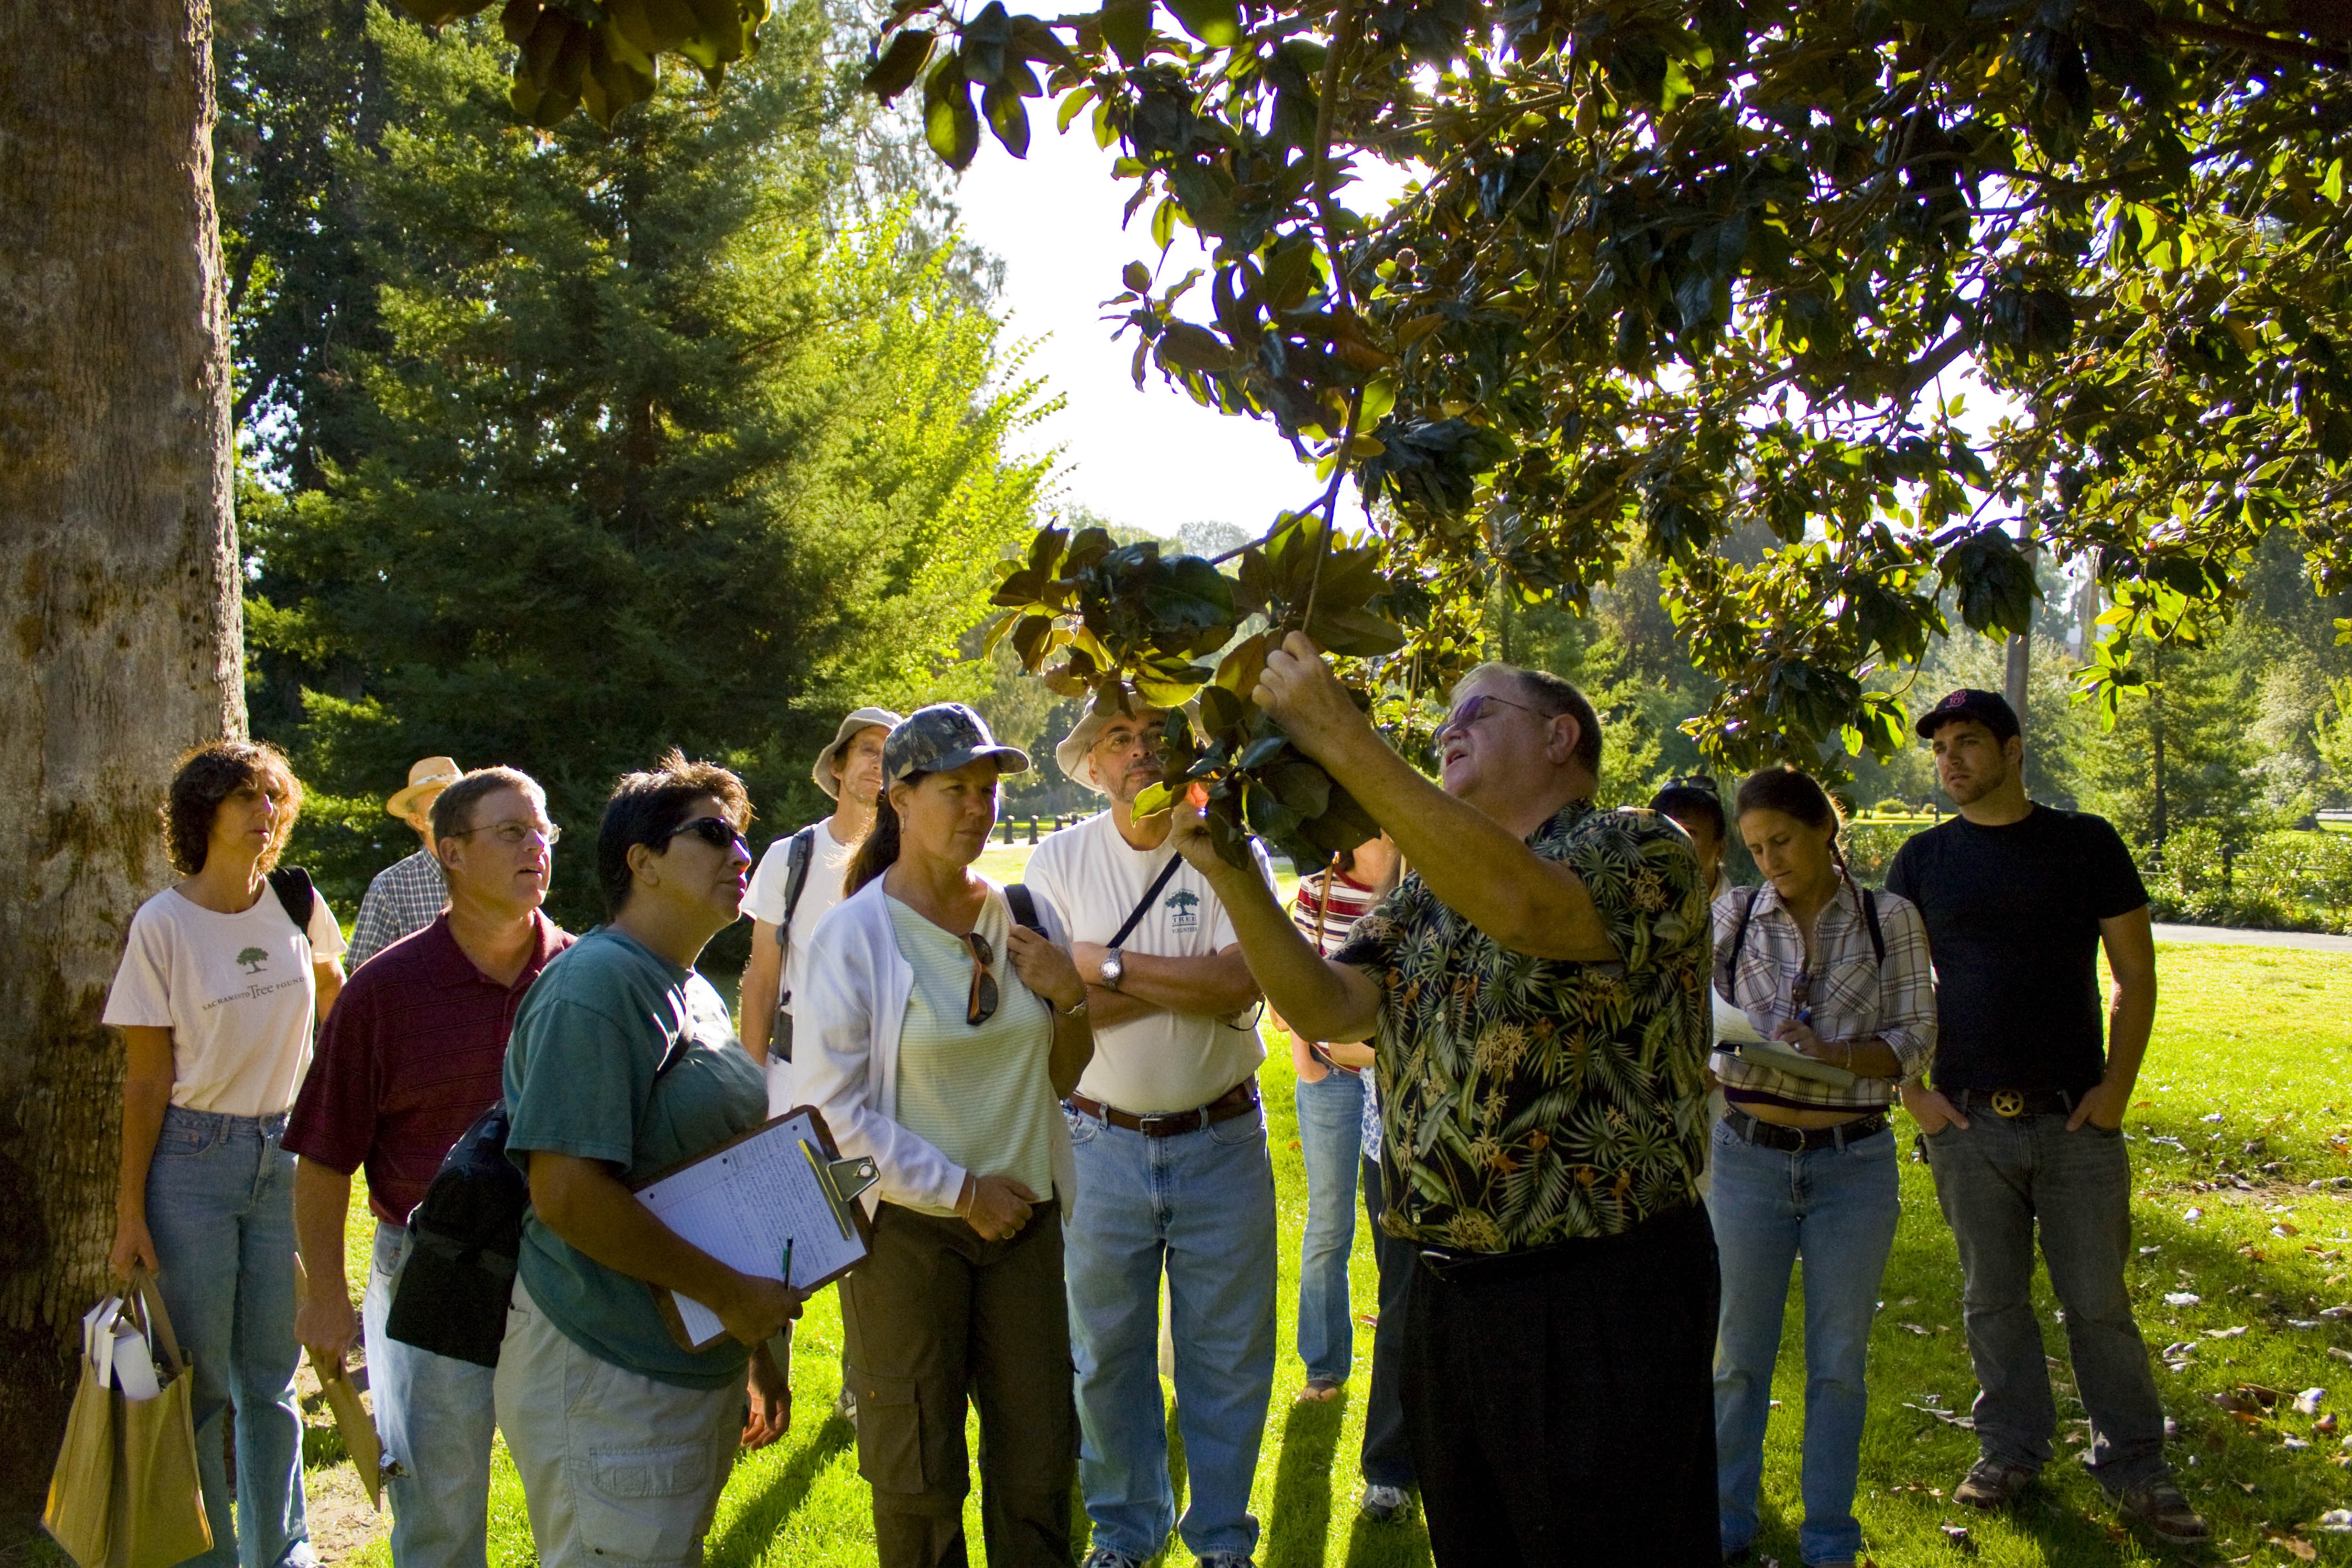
(1991, 1483)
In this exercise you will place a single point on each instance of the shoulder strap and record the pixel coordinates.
(295, 893)
(798, 853)
(1739, 932)
(1024, 905)
(1135, 915)
(1870, 918)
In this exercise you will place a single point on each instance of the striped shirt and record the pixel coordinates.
(1325, 919)
(1854, 996)
(404, 896)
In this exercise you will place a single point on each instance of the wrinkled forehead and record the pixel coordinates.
(1497, 683)
(1139, 717)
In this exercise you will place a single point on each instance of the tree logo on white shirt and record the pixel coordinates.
(1183, 903)
(253, 958)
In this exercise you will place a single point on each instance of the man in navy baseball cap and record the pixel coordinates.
(1990, 709)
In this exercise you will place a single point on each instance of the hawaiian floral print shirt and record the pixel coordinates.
(1529, 1100)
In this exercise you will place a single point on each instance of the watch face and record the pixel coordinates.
(1114, 968)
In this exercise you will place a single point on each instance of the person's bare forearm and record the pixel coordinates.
(1109, 1007)
(587, 1205)
(763, 982)
(327, 974)
(1326, 1000)
(322, 1201)
(1073, 1048)
(1215, 985)
(2131, 1020)
(145, 1100)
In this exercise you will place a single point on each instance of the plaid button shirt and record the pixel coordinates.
(405, 897)
(1853, 994)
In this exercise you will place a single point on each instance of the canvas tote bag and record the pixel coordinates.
(125, 1492)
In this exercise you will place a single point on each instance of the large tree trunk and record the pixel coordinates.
(119, 600)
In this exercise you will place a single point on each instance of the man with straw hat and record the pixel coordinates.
(798, 880)
(407, 895)
(1170, 1143)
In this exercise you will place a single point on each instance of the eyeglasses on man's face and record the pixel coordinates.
(715, 831)
(1471, 711)
(514, 835)
(1119, 739)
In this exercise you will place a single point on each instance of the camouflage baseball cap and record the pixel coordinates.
(943, 737)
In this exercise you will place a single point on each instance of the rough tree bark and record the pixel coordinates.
(119, 602)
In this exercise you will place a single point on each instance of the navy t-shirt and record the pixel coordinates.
(2013, 917)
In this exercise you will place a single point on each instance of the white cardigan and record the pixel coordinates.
(846, 1026)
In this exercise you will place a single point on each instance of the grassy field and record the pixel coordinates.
(2243, 1130)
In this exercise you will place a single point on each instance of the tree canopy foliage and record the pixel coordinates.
(660, 445)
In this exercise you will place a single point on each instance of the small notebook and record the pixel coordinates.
(782, 1181)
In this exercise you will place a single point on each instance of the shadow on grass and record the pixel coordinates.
(755, 1526)
(1299, 1526)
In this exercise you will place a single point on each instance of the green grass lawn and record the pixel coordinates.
(2248, 1101)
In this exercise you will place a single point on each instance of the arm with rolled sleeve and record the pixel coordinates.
(833, 1025)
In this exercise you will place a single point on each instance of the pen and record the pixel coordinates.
(787, 1264)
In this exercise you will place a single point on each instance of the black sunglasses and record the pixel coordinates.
(980, 1006)
(715, 831)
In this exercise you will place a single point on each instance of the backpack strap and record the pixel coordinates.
(798, 853)
(1870, 918)
(1024, 905)
(1143, 905)
(296, 895)
(1740, 935)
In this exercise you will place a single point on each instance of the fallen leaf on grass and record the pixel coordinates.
(2336, 1521)
(2230, 1333)
(2325, 1424)
(2340, 1353)
(2309, 1402)
(1913, 1327)
(2183, 1299)
(2284, 1227)
(1957, 1535)
(2193, 1215)
(2294, 1545)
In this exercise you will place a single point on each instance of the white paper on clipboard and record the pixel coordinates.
(744, 1202)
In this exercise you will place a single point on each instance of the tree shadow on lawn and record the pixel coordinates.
(757, 1523)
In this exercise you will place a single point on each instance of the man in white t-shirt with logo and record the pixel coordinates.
(1172, 1170)
(797, 881)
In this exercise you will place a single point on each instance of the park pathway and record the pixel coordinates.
(2228, 936)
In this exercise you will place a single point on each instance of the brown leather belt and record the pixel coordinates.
(1238, 1100)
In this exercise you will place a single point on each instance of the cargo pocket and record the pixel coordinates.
(644, 1508)
(889, 1432)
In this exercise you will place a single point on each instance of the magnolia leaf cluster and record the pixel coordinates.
(575, 53)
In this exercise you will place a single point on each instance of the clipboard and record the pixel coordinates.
(742, 1201)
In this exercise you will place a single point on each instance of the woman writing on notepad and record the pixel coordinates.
(1834, 982)
(938, 1035)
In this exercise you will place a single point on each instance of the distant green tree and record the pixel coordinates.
(658, 449)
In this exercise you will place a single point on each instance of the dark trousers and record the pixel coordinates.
(1387, 1458)
(935, 1315)
(1999, 1182)
(1561, 1403)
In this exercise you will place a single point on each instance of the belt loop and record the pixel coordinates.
(1839, 1129)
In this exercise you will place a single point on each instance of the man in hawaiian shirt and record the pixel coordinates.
(1535, 991)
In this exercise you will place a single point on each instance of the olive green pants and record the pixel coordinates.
(934, 1316)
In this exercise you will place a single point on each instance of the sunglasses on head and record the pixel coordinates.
(715, 831)
(980, 1006)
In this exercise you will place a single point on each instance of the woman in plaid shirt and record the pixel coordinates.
(1835, 983)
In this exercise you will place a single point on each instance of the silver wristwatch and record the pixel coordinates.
(1114, 970)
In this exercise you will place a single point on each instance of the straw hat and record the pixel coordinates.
(427, 777)
(1076, 753)
(828, 762)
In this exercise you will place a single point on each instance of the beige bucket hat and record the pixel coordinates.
(828, 761)
(1076, 755)
(425, 777)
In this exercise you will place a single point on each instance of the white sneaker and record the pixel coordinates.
(1382, 1504)
(1103, 1557)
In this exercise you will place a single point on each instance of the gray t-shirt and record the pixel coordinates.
(580, 1081)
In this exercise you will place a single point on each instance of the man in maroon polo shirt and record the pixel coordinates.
(413, 1053)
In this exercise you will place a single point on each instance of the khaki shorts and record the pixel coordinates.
(618, 1471)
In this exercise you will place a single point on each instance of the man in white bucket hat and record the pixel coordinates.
(797, 881)
(1170, 1141)
(409, 894)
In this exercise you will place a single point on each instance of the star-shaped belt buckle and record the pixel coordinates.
(2008, 1103)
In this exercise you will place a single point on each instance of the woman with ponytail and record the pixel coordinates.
(1835, 980)
(942, 1028)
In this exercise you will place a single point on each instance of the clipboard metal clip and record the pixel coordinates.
(850, 1178)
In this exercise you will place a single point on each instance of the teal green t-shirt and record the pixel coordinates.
(589, 1039)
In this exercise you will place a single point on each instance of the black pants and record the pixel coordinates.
(1387, 1458)
(935, 1314)
(1561, 1403)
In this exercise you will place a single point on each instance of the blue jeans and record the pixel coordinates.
(220, 1205)
(1999, 1181)
(436, 1415)
(1199, 1206)
(1331, 1140)
(1836, 1208)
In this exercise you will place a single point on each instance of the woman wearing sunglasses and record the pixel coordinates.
(1804, 1163)
(945, 1034)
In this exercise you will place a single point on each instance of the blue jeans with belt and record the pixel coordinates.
(220, 1206)
(1331, 1143)
(1836, 1208)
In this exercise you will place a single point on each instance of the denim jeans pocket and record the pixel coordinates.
(643, 1505)
(1083, 1127)
(1234, 1131)
(184, 1142)
(889, 1432)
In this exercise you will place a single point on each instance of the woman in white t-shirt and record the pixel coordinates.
(216, 998)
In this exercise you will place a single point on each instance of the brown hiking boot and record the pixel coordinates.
(2159, 1506)
(1991, 1483)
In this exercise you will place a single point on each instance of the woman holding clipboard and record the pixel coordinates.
(941, 1028)
(1834, 983)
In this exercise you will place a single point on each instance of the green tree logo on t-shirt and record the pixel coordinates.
(253, 958)
(1181, 901)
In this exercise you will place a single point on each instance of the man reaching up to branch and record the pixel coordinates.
(1534, 990)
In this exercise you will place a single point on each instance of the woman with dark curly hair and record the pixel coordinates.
(218, 990)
